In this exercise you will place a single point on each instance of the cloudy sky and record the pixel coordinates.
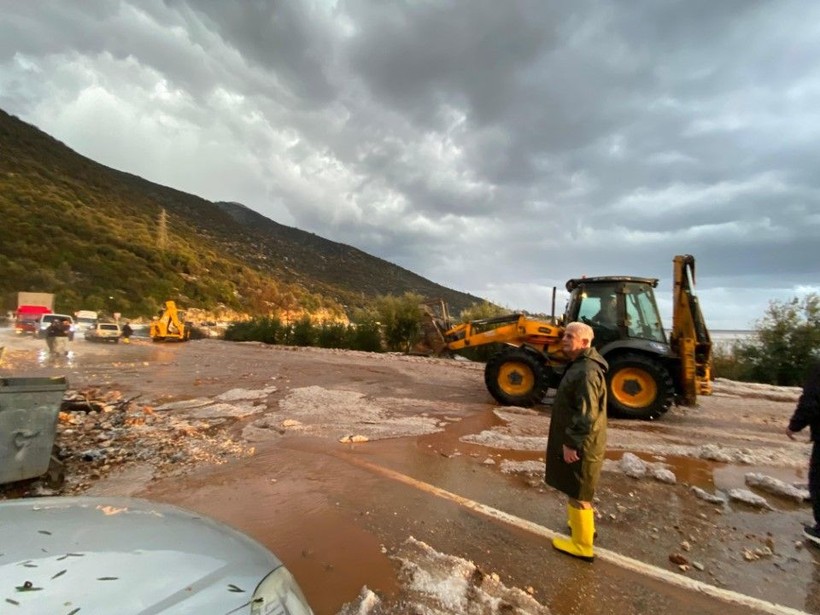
(498, 148)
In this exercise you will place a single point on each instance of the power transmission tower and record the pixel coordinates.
(162, 230)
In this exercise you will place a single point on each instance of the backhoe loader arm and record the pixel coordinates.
(172, 315)
(690, 337)
(512, 328)
(169, 324)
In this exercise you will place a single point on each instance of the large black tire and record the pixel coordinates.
(516, 377)
(639, 387)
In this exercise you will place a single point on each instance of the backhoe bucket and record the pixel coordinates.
(432, 341)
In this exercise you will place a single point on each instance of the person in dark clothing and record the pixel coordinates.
(57, 337)
(577, 437)
(127, 331)
(608, 314)
(806, 414)
(56, 329)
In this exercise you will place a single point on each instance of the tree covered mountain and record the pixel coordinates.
(107, 240)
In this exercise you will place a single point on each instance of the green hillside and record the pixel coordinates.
(107, 240)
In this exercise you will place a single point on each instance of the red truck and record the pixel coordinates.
(26, 317)
(30, 306)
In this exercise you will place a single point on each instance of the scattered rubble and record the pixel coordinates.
(678, 559)
(708, 497)
(100, 432)
(751, 555)
(664, 475)
(747, 497)
(715, 452)
(632, 465)
(440, 583)
(635, 467)
(456, 585)
(776, 487)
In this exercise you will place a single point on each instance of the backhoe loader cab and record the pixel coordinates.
(629, 334)
(616, 308)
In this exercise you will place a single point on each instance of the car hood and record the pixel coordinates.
(124, 555)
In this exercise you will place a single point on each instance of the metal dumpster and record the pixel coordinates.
(28, 423)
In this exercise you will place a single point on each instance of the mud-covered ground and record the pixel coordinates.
(394, 484)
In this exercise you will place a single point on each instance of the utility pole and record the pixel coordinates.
(162, 229)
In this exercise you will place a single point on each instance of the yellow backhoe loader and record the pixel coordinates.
(170, 325)
(647, 371)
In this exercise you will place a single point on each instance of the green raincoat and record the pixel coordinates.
(579, 421)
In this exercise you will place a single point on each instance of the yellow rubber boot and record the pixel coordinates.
(582, 522)
(569, 521)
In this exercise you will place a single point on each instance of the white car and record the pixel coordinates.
(45, 322)
(103, 332)
(131, 556)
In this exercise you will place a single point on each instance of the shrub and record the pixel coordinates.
(332, 335)
(267, 330)
(785, 344)
(726, 364)
(303, 333)
(365, 336)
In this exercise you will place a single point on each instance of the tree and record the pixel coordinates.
(400, 318)
(364, 332)
(785, 343)
(478, 311)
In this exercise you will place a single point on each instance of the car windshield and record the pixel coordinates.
(109, 327)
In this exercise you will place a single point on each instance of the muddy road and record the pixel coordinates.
(395, 484)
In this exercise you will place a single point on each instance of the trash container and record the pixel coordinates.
(28, 424)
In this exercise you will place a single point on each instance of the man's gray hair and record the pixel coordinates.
(583, 330)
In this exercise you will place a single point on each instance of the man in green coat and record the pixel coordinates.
(577, 438)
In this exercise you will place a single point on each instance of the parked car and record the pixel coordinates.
(46, 319)
(133, 556)
(103, 332)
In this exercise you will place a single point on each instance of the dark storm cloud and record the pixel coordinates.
(285, 38)
(498, 148)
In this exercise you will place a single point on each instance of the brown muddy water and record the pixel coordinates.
(335, 524)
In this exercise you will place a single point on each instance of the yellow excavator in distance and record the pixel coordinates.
(647, 371)
(170, 325)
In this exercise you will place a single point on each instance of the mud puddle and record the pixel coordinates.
(284, 498)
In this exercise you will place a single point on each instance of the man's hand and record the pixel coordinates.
(792, 436)
(570, 455)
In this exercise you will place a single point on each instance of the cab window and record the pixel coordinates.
(590, 306)
(642, 315)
